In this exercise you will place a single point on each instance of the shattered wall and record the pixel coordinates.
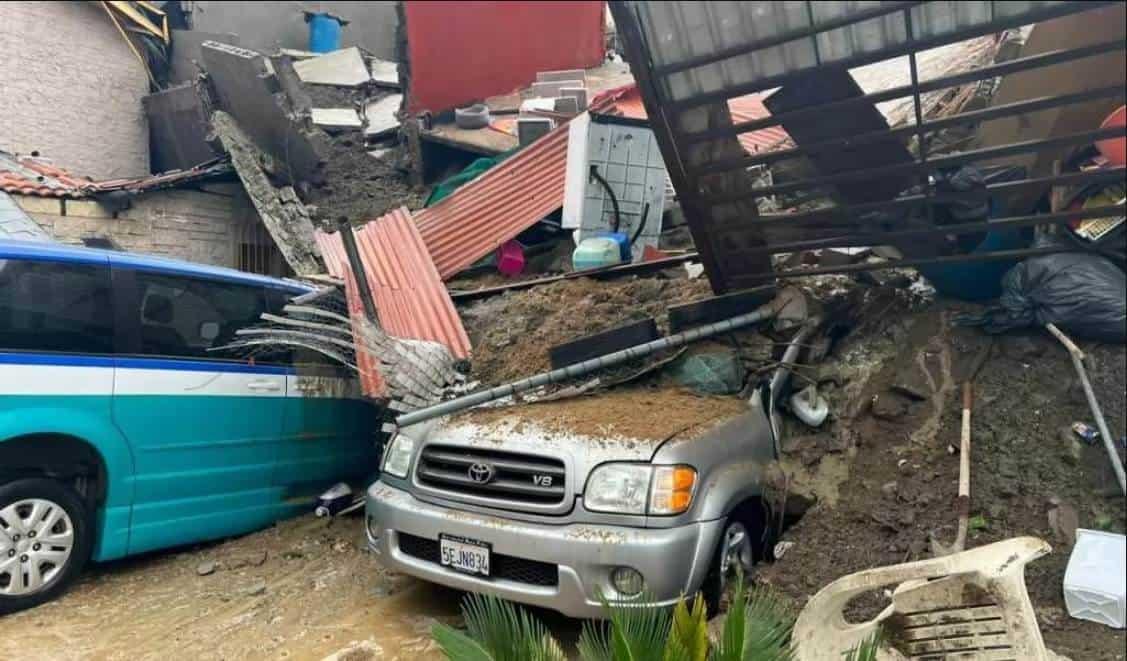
(71, 89)
(197, 226)
(268, 26)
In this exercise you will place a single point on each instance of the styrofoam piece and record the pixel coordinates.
(553, 88)
(343, 67)
(544, 104)
(1095, 582)
(335, 118)
(381, 114)
(566, 74)
(384, 72)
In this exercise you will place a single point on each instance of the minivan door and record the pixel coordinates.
(330, 427)
(204, 425)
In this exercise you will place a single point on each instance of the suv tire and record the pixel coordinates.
(743, 541)
(45, 541)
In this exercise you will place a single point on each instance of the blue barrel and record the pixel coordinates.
(324, 33)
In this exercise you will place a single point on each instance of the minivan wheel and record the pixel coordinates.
(44, 541)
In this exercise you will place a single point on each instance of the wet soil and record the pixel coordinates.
(359, 186)
(303, 589)
(512, 333)
(883, 476)
(643, 412)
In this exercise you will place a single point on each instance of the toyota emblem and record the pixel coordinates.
(481, 473)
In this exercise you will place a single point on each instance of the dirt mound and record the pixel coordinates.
(512, 333)
(884, 475)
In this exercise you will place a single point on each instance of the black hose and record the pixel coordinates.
(613, 200)
(641, 224)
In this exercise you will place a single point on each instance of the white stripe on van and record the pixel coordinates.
(55, 380)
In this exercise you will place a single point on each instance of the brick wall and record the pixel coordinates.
(71, 89)
(185, 224)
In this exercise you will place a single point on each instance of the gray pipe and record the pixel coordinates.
(585, 367)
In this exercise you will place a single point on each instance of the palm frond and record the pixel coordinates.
(635, 632)
(730, 647)
(688, 637)
(496, 630)
(867, 649)
(768, 627)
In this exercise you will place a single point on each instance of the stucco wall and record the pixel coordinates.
(193, 225)
(71, 89)
(267, 26)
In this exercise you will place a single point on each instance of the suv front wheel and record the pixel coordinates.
(44, 541)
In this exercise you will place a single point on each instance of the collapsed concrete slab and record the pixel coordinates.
(382, 115)
(344, 67)
(249, 91)
(177, 128)
(283, 214)
(336, 118)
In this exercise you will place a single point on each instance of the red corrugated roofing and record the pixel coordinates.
(495, 207)
(411, 300)
(627, 101)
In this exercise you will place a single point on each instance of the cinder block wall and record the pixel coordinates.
(193, 225)
(71, 89)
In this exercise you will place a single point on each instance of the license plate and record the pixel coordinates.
(464, 555)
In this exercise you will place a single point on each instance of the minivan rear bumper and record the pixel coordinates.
(404, 531)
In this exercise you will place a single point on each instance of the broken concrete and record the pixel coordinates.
(344, 68)
(336, 118)
(177, 128)
(187, 46)
(284, 216)
(381, 115)
(385, 73)
(250, 92)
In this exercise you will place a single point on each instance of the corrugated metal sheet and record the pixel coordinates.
(678, 31)
(411, 300)
(495, 207)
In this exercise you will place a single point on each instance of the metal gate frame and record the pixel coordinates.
(708, 169)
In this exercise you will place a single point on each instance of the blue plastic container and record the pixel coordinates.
(324, 32)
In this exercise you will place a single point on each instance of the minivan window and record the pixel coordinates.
(55, 307)
(183, 317)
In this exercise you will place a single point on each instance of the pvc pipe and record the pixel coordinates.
(587, 366)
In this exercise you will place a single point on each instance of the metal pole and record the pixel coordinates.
(348, 239)
(587, 366)
(1109, 442)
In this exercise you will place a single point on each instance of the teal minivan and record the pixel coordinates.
(121, 432)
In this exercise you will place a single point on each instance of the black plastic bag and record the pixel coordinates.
(1082, 293)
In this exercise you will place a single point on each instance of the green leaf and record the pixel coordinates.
(976, 523)
(457, 646)
(730, 647)
(867, 649)
(688, 638)
(496, 630)
(636, 632)
(768, 627)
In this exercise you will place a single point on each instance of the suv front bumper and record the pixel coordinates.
(673, 561)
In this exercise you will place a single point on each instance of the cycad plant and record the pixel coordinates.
(757, 628)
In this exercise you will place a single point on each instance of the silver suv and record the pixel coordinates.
(553, 518)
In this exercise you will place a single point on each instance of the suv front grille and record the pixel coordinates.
(507, 567)
(521, 478)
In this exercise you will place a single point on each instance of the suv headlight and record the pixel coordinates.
(622, 488)
(397, 456)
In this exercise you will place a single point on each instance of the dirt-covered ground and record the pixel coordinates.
(304, 589)
(883, 476)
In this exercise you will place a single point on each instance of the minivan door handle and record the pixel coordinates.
(265, 384)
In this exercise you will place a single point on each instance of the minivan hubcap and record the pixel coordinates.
(36, 540)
